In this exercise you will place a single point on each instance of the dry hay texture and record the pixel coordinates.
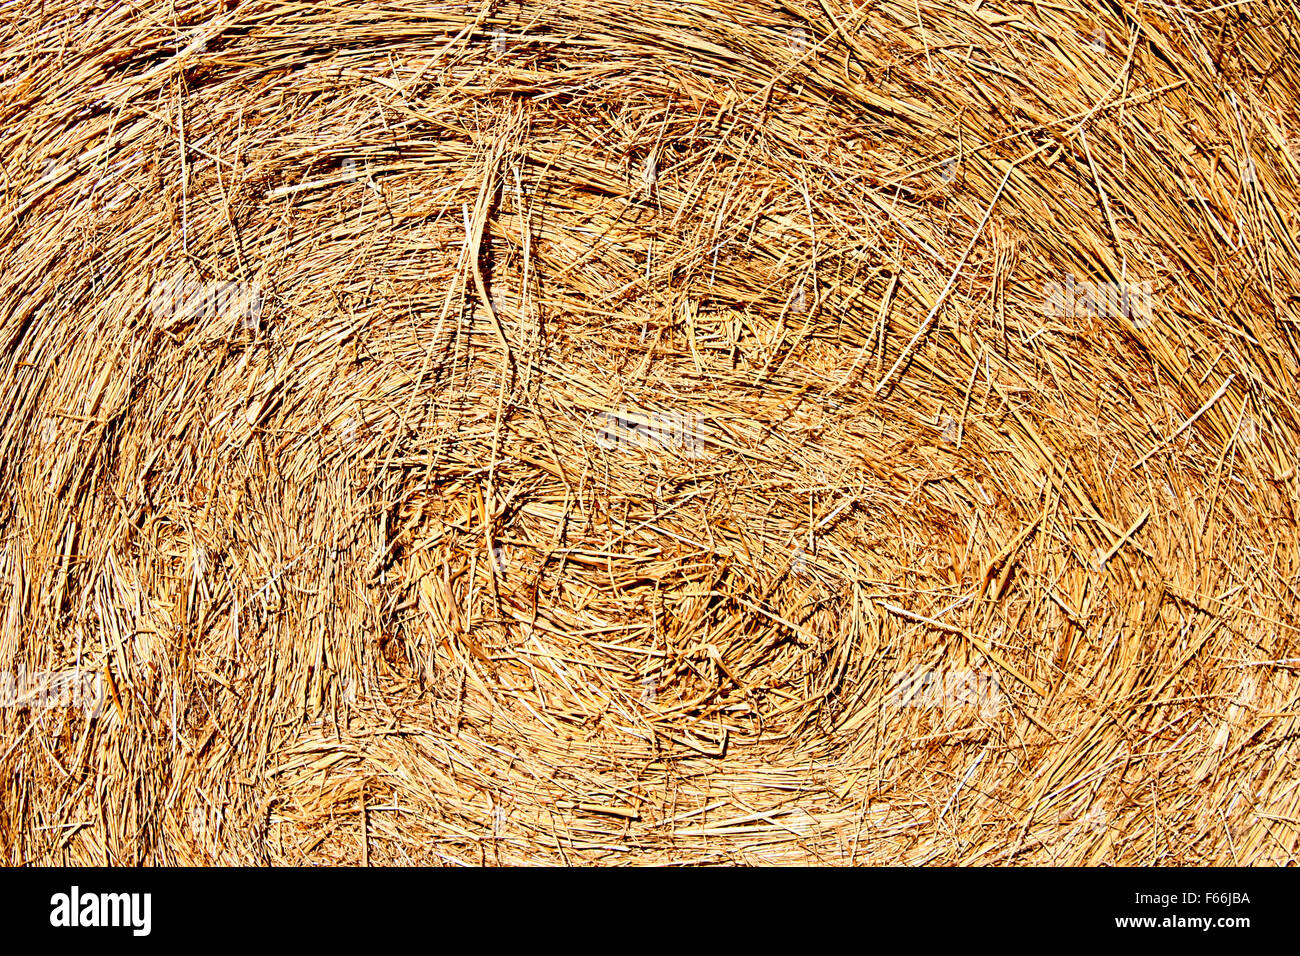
(631, 431)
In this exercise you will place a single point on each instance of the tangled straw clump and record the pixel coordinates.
(633, 431)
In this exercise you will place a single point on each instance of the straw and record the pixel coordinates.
(634, 432)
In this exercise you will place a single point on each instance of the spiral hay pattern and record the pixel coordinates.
(631, 431)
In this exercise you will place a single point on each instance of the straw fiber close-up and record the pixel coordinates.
(624, 432)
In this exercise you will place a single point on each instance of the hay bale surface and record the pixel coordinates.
(630, 431)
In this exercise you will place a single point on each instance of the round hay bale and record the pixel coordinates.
(633, 431)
